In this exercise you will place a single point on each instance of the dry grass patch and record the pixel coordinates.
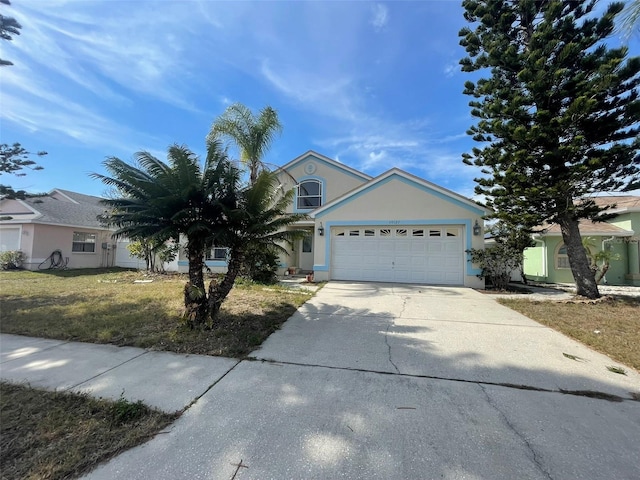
(54, 435)
(611, 326)
(107, 306)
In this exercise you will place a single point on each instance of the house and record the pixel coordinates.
(547, 261)
(62, 226)
(395, 227)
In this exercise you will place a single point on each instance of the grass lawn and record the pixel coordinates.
(615, 319)
(53, 435)
(47, 435)
(107, 306)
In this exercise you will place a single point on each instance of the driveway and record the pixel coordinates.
(375, 381)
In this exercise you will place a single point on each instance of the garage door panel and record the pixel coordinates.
(399, 254)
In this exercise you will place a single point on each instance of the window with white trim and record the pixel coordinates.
(309, 194)
(217, 254)
(84, 242)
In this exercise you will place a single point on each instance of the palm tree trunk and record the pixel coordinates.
(583, 275)
(195, 299)
(218, 291)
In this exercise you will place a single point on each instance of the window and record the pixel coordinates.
(309, 194)
(307, 242)
(354, 233)
(452, 232)
(385, 232)
(84, 242)
(434, 233)
(401, 232)
(369, 232)
(418, 232)
(562, 259)
(217, 253)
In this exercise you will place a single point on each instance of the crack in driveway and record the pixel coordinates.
(609, 397)
(535, 456)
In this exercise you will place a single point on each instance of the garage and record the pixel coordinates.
(399, 253)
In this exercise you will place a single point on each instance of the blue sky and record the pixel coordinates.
(373, 85)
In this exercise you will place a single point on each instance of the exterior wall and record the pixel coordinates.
(335, 181)
(399, 201)
(47, 238)
(535, 262)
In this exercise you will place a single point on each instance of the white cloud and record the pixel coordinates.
(451, 69)
(380, 16)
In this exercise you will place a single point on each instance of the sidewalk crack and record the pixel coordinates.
(535, 457)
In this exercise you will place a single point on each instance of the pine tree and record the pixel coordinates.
(558, 117)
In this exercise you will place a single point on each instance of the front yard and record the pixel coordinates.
(127, 308)
(56, 435)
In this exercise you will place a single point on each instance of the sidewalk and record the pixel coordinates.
(164, 380)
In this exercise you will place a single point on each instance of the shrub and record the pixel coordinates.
(11, 260)
(261, 265)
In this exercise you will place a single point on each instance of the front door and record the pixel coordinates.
(306, 253)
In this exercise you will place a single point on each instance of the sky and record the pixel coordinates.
(374, 85)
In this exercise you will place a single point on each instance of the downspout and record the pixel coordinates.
(604, 277)
(544, 255)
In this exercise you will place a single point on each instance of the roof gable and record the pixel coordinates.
(311, 155)
(408, 179)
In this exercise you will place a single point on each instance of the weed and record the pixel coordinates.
(618, 370)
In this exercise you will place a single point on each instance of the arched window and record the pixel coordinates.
(309, 194)
(562, 259)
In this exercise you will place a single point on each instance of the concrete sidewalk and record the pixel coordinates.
(367, 381)
(164, 380)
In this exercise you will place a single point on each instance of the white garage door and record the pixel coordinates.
(404, 254)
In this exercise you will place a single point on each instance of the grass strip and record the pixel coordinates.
(56, 435)
(610, 326)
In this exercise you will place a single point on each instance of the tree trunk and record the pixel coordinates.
(195, 299)
(583, 275)
(218, 291)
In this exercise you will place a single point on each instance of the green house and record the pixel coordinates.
(547, 261)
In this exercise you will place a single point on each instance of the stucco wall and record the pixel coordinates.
(47, 238)
(336, 181)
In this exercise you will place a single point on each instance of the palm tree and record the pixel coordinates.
(252, 134)
(163, 201)
(259, 221)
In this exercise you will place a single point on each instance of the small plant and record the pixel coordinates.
(11, 260)
(123, 411)
(618, 370)
(572, 357)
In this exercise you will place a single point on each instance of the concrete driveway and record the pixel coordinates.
(374, 381)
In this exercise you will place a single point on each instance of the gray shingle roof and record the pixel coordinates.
(81, 214)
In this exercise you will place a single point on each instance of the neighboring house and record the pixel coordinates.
(61, 221)
(548, 261)
(392, 228)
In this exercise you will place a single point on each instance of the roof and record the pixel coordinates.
(589, 228)
(61, 207)
(620, 203)
(396, 173)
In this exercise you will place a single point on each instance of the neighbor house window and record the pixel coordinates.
(562, 259)
(217, 253)
(309, 194)
(84, 242)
